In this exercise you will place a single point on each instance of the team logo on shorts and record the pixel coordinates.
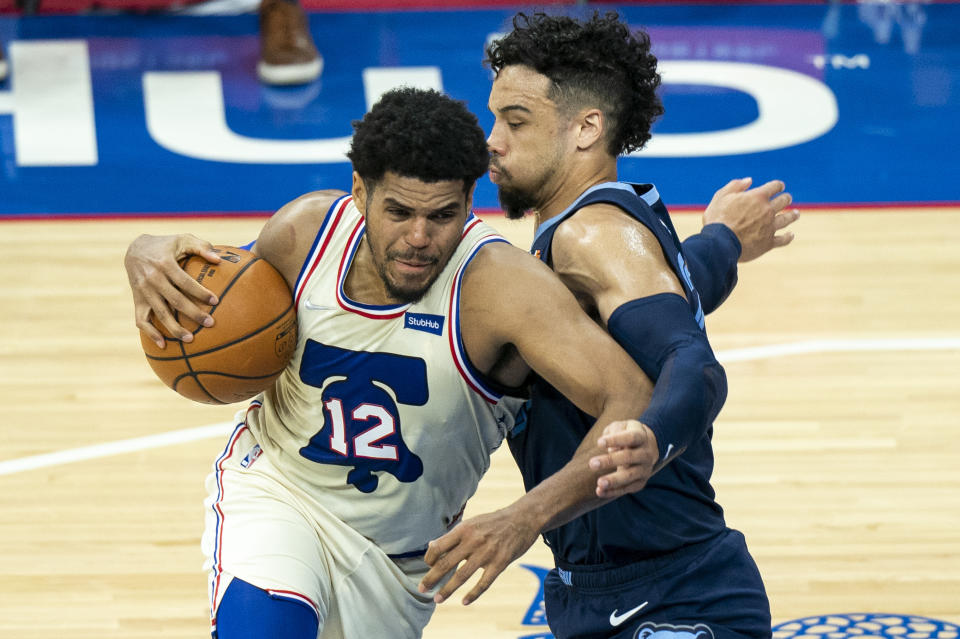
(866, 625)
(651, 630)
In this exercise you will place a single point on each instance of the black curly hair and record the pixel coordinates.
(421, 134)
(597, 62)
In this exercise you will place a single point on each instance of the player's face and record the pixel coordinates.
(527, 141)
(413, 228)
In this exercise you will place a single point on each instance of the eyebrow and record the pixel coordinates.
(514, 107)
(392, 202)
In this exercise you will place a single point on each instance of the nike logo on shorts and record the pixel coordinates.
(616, 620)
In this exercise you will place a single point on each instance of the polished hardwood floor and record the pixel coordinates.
(837, 451)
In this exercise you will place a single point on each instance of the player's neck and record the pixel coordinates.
(363, 283)
(571, 186)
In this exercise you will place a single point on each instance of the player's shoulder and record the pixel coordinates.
(312, 204)
(306, 211)
(500, 271)
(287, 236)
(598, 233)
(593, 220)
(596, 226)
(500, 257)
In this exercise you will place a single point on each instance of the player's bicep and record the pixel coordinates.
(611, 259)
(568, 349)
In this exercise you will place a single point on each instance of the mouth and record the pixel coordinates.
(413, 266)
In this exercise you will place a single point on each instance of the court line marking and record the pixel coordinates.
(107, 449)
(838, 346)
(185, 435)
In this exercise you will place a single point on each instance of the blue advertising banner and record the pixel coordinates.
(849, 104)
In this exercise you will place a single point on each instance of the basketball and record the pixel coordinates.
(252, 339)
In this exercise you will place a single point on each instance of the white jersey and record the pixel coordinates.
(379, 417)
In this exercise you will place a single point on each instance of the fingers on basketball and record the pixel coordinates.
(251, 342)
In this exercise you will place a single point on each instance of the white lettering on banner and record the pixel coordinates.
(837, 61)
(52, 106)
(51, 102)
(379, 80)
(793, 108)
(185, 114)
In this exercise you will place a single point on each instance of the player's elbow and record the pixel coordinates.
(627, 391)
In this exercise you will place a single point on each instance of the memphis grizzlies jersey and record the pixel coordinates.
(677, 506)
(380, 418)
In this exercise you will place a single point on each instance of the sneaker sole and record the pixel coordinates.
(284, 74)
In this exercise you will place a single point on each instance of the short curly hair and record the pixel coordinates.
(597, 62)
(421, 134)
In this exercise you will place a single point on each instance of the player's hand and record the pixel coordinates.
(756, 216)
(489, 542)
(160, 286)
(631, 457)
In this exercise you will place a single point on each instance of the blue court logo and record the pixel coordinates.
(866, 625)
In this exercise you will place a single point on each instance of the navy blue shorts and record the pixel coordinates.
(710, 590)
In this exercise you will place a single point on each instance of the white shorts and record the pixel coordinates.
(268, 534)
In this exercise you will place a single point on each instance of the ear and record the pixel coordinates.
(590, 126)
(359, 191)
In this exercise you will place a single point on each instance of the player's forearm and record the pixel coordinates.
(664, 338)
(712, 258)
(571, 491)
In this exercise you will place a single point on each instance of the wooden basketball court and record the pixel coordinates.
(836, 451)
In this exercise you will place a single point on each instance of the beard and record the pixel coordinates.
(411, 293)
(517, 201)
(514, 202)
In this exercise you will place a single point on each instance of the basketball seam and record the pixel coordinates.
(186, 362)
(228, 375)
(259, 330)
(229, 285)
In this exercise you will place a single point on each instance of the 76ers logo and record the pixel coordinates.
(362, 422)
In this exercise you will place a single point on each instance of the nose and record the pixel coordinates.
(494, 144)
(418, 233)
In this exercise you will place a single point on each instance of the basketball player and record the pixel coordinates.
(415, 321)
(568, 98)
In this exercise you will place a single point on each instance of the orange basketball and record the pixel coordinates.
(250, 343)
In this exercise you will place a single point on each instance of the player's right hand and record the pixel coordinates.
(631, 458)
(756, 216)
(161, 287)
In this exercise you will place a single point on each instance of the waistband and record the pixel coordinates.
(610, 574)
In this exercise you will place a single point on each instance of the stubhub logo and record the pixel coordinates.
(423, 322)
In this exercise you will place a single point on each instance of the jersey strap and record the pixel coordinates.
(320, 243)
